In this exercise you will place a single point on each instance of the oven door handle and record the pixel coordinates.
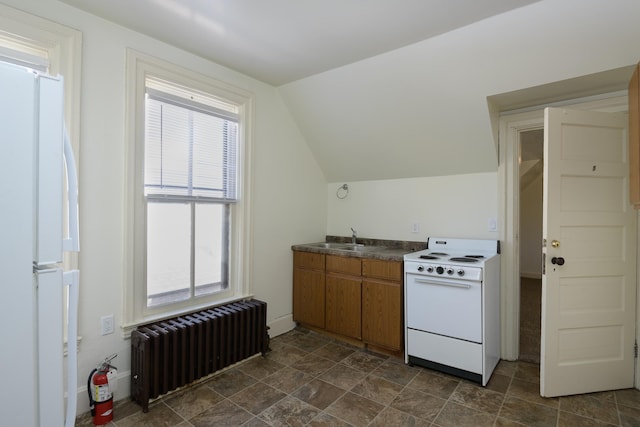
(433, 282)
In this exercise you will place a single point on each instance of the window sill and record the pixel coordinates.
(128, 328)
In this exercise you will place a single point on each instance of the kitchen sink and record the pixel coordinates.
(328, 245)
(358, 247)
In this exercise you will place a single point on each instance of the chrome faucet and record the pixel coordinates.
(354, 236)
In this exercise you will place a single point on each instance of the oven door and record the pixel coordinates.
(444, 306)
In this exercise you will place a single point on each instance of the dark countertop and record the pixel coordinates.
(386, 250)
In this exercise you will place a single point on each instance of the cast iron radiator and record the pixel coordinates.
(172, 353)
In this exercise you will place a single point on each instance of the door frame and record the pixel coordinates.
(512, 124)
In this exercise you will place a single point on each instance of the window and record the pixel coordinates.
(190, 185)
(190, 199)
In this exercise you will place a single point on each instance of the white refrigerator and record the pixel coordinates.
(36, 164)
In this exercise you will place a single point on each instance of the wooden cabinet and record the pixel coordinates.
(634, 138)
(309, 288)
(343, 313)
(343, 296)
(380, 269)
(382, 303)
(359, 298)
(344, 265)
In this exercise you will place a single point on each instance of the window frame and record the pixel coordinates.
(135, 311)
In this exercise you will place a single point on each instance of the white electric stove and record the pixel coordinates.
(452, 307)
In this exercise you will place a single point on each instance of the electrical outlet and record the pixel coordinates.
(492, 224)
(415, 227)
(106, 324)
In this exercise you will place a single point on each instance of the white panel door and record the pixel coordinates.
(588, 287)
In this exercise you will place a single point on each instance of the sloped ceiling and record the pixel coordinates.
(431, 108)
(384, 89)
(279, 41)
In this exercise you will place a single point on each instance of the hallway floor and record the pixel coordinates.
(530, 308)
(309, 379)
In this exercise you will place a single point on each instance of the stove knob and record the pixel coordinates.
(420, 268)
(449, 270)
(460, 272)
(439, 269)
(430, 269)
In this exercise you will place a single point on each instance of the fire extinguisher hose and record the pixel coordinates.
(89, 388)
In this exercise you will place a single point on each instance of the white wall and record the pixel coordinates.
(289, 204)
(449, 206)
(434, 92)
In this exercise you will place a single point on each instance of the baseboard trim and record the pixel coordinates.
(281, 325)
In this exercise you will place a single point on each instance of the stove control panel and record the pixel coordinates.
(443, 270)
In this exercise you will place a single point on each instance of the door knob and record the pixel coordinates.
(555, 243)
(557, 260)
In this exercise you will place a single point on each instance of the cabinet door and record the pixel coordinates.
(308, 297)
(343, 305)
(382, 313)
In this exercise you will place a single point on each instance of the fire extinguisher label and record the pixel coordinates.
(102, 393)
(112, 379)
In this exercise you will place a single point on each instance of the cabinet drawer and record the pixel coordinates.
(345, 265)
(380, 269)
(308, 260)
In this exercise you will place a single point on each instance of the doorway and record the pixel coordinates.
(515, 129)
(531, 165)
(511, 126)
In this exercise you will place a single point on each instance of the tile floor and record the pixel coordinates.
(308, 379)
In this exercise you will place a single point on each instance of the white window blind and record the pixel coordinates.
(191, 146)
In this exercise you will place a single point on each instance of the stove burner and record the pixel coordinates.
(428, 257)
(474, 256)
(463, 259)
(437, 253)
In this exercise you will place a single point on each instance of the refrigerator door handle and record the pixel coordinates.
(72, 242)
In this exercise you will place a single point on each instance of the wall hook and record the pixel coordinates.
(342, 191)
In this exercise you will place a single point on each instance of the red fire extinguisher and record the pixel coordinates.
(100, 393)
